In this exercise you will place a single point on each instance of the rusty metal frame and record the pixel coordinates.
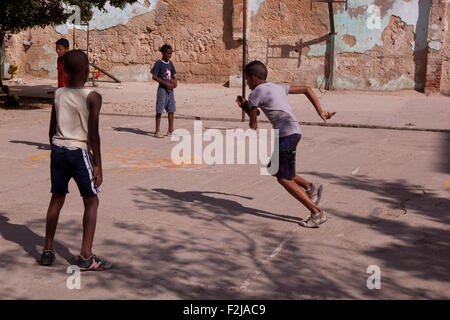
(329, 1)
(330, 81)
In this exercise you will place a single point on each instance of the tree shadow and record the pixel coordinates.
(34, 91)
(186, 262)
(40, 146)
(28, 240)
(398, 194)
(133, 130)
(421, 45)
(422, 252)
(225, 208)
(21, 106)
(423, 249)
(191, 266)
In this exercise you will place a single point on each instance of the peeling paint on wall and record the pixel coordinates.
(50, 51)
(49, 63)
(436, 45)
(113, 16)
(254, 7)
(366, 38)
(387, 53)
(349, 82)
(132, 73)
(47, 66)
(397, 84)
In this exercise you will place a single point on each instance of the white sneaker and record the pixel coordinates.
(314, 222)
(158, 135)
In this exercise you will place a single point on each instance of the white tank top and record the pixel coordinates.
(72, 116)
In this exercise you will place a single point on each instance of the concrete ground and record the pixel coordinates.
(226, 232)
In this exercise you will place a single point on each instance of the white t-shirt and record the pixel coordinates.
(72, 117)
(273, 100)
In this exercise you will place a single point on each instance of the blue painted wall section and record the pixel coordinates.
(364, 22)
(367, 38)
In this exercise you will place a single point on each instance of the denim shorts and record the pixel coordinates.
(67, 164)
(288, 152)
(165, 100)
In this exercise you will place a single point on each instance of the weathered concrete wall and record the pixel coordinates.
(201, 36)
(380, 45)
(445, 73)
(436, 39)
(379, 48)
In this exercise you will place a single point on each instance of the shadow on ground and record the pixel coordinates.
(40, 146)
(193, 262)
(29, 241)
(133, 130)
(423, 251)
(218, 253)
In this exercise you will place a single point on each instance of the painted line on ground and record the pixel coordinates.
(257, 272)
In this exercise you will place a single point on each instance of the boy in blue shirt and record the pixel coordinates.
(272, 99)
(164, 73)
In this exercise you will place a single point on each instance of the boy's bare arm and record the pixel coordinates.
(253, 118)
(309, 93)
(95, 104)
(52, 127)
(164, 83)
(175, 82)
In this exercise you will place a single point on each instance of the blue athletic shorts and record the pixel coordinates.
(288, 152)
(77, 164)
(165, 100)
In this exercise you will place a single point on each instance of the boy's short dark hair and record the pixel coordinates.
(63, 42)
(164, 48)
(256, 68)
(75, 61)
(5, 89)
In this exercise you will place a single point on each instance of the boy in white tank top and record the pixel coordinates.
(73, 136)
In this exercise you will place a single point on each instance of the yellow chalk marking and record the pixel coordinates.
(134, 160)
(137, 170)
(40, 156)
(135, 151)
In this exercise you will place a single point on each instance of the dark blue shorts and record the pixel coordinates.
(77, 164)
(165, 100)
(288, 152)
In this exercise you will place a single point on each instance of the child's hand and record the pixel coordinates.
(325, 115)
(97, 177)
(241, 101)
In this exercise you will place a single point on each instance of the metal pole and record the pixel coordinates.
(87, 42)
(244, 50)
(74, 46)
(330, 82)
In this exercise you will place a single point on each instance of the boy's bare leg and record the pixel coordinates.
(54, 209)
(89, 223)
(158, 122)
(299, 193)
(302, 182)
(171, 117)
